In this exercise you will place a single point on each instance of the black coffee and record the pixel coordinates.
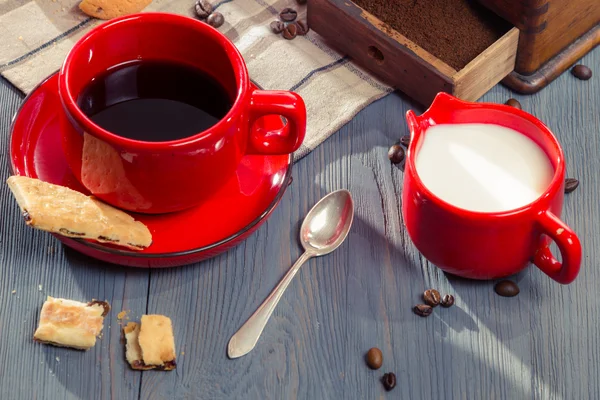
(154, 101)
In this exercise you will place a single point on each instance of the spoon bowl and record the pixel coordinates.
(327, 224)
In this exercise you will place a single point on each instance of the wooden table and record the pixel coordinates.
(543, 344)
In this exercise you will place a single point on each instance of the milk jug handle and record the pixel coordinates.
(568, 244)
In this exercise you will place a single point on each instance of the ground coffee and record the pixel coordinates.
(455, 31)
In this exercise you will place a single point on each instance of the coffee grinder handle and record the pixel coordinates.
(281, 141)
(568, 245)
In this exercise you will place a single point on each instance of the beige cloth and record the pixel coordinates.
(35, 36)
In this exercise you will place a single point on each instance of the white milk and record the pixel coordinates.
(483, 167)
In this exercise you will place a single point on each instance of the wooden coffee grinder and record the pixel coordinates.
(548, 36)
(553, 35)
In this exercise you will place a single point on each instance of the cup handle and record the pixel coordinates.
(568, 245)
(281, 141)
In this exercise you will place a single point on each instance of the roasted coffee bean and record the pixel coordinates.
(374, 358)
(571, 184)
(432, 297)
(290, 31)
(582, 72)
(215, 19)
(507, 288)
(389, 381)
(422, 310)
(396, 154)
(277, 26)
(405, 140)
(302, 28)
(514, 103)
(203, 8)
(288, 14)
(301, 2)
(447, 301)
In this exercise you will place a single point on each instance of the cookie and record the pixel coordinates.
(150, 344)
(108, 9)
(69, 323)
(61, 210)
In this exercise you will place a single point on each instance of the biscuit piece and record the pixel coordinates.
(133, 351)
(102, 172)
(61, 210)
(68, 323)
(150, 344)
(108, 9)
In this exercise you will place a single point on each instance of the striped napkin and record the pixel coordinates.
(35, 36)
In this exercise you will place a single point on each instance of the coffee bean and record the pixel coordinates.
(302, 28)
(288, 14)
(507, 288)
(374, 358)
(301, 2)
(290, 31)
(277, 26)
(203, 8)
(571, 184)
(396, 154)
(389, 381)
(215, 19)
(514, 103)
(405, 140)
(432, 297)
(447, 301)
(582, 72)
(422, 310)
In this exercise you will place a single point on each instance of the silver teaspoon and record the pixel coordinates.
(324, 229)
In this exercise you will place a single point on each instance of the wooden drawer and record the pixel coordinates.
(400, 62)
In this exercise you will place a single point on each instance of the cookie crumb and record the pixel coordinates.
(20, 37)
(14, 291)
(39, 288)
(57, 359)
(123, 315)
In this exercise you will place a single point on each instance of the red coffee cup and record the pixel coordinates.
(160, 177)
(481, 245)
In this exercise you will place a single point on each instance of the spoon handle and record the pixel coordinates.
(246, 337)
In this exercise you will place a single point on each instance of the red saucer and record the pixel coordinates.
(229, 217)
